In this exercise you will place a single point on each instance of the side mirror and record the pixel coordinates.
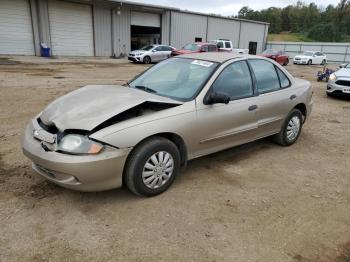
(154, 50)
(313, 55)
(216, 98)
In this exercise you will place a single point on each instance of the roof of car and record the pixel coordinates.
(218, 57)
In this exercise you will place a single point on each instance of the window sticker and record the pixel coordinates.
(202, 63)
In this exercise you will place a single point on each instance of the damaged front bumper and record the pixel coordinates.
(98, 172)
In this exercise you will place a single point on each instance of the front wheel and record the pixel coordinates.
(152, 167)
(323, 62)
(147, 60)
(286, 62)
(309, 62)
(291, 129)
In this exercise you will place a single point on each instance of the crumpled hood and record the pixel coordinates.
(343, 72)
(90, 106)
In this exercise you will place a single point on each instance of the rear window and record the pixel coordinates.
(212, 48)
(227, 45)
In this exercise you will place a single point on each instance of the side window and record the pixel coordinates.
(235, 81)
(266, 75)
(159, 48)
(212, 48)
(283, 78)
(227, 45)
(220, 44)
(205, 48)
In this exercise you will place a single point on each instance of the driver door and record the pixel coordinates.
(221, 126)
(157, 54)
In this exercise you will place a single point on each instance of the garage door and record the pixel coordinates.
(145, 19)
(71, 29)
(16, 33)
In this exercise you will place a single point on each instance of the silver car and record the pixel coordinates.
(141, 134)
(339, 82)
(151, 53)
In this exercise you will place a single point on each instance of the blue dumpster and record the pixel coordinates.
(45, 51)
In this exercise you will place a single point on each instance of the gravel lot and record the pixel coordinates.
(257, 202)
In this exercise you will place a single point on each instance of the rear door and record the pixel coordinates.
(221, 126)
(275, 99)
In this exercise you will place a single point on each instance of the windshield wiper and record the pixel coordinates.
(147, 89)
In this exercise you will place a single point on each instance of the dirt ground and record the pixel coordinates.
(257, 202)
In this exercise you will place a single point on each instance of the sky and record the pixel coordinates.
(229, 7)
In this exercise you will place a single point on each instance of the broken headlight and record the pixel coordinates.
(79, 144)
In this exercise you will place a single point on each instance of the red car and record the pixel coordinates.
(279, 56)
(198, 47)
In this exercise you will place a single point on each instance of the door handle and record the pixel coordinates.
(252, 108)
(292, 97)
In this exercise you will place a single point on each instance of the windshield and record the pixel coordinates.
(177, 78)
(269, 52)
(147, 48)
(347, 66)
(191, 47)
(308, 53)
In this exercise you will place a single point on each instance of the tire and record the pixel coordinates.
(147, 60)
(323, 62)
(138, 175)
(286, 62)
(309, 62)
(282, 138)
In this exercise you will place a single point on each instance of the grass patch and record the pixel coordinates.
(288, 37)
(297, 37)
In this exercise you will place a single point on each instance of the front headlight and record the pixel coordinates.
(333, 77)
(79, 144)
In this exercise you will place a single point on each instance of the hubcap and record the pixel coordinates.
(293, 128)
(158, 170)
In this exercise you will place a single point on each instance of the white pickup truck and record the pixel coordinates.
(226, 45)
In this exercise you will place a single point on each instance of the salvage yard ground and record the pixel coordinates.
(257, 202)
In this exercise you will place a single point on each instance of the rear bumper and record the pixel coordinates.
(99, 172)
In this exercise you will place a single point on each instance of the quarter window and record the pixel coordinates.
(266, 76)
(283, 78)
(235, 81)
(227, 45)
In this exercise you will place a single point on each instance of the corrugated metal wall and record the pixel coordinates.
(223, 28)
(121, 30)
(186, 27)
(102, 31)
(252, 32)
(165, 33)
(336, 52)
(112, 27)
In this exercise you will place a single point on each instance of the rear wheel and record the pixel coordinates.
(291, 129)
(286, 62)
(147, 60)
(152, 167)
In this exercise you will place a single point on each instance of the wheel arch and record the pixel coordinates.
(303, 110)
(175, 138)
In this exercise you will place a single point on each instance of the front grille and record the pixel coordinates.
(343, 83)
(51, 129)
(297, 59)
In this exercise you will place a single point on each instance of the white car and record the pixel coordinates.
(310, 58)
(226, 45)
(151, 53)
(339, 82)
